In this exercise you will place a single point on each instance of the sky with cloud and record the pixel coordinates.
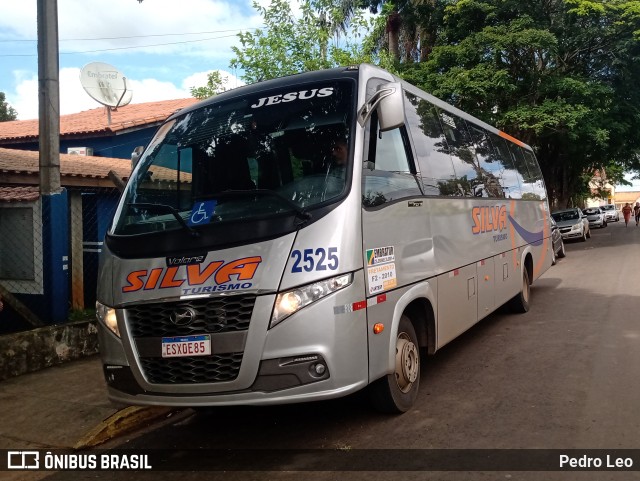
(163, 47)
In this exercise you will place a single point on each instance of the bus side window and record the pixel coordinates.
(388, 176)
(536, 174)
(509, 177)
(527, 181)
(490, 166)
(465, 164)
(432, 151)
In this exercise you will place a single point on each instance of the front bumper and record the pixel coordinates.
(278, 365)
(572, 234)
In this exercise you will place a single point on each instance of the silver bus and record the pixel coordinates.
(303, 238)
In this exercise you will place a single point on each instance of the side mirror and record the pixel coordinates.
(135, 156)
(389, 102)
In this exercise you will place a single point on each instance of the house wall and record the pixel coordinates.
(118, 146)
(66, 244)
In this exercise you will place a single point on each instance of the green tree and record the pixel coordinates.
(7, 112)
(559, 74)
(216, 84)
(290, 45)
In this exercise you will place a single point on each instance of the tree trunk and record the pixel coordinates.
(393, 30)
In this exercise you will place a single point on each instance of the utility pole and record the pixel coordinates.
(53, 198)
(48, 96)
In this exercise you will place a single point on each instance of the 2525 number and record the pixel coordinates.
(318, 260)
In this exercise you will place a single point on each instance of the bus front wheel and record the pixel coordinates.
(396, 392)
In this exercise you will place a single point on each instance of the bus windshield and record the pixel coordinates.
(274, 153)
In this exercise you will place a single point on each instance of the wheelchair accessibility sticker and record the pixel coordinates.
(201, 212)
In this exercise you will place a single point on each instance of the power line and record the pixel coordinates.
(129, 37)
(123, 48)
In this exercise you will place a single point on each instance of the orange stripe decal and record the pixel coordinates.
(512, 139)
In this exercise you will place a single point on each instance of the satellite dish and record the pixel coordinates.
(105, 84)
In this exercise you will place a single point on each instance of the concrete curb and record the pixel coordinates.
(29, 351)
(122, 422)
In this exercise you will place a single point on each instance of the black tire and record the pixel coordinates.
(397, 392)
(520, 303)
(562, 253)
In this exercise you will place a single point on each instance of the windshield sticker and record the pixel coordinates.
(381, 278)
(215, 276)
(380, 255)
(201, 212)
(291, 96)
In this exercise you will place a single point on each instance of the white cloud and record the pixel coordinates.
(199, 79)
(74, 99)
(151, 22)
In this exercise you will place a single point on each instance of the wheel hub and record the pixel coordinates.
(407, 363)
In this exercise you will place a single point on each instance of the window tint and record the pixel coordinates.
(465, 164)
(537, 182)
(387, 175)
(490, 167)
(524, 177)
(509, 176)
(432, 151)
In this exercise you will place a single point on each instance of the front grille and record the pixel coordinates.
(211, 316)
(219, 314)
(192, 370)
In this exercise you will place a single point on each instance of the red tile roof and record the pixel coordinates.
(95, 120)
(19, 194)
(14, 161)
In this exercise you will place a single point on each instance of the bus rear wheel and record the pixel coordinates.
(520, 303)
(396, 392)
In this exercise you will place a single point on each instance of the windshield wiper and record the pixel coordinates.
(167, 209)
(264, 192)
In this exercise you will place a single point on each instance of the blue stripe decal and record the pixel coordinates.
(533, 238)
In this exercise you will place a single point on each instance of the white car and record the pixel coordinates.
(573, 224)
(612, 214)
(596, 217)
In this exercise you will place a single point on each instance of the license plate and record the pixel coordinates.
(186, 346)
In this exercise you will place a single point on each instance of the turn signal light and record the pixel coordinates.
(378, 328)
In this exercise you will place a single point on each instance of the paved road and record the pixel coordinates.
(566, 375)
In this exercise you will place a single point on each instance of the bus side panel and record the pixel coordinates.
(486, 287)
(507, 274)
(397, 245)
(457, 303)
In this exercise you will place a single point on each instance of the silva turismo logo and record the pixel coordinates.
(194, 279)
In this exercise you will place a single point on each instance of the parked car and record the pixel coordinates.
(556, 241)
(596, 217)
(612, 214)
(573, 224)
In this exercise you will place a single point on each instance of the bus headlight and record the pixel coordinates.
(292, 301)
(107, 316)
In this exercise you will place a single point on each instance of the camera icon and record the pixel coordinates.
(23, 460)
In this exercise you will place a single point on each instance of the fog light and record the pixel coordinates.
(320, 369)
